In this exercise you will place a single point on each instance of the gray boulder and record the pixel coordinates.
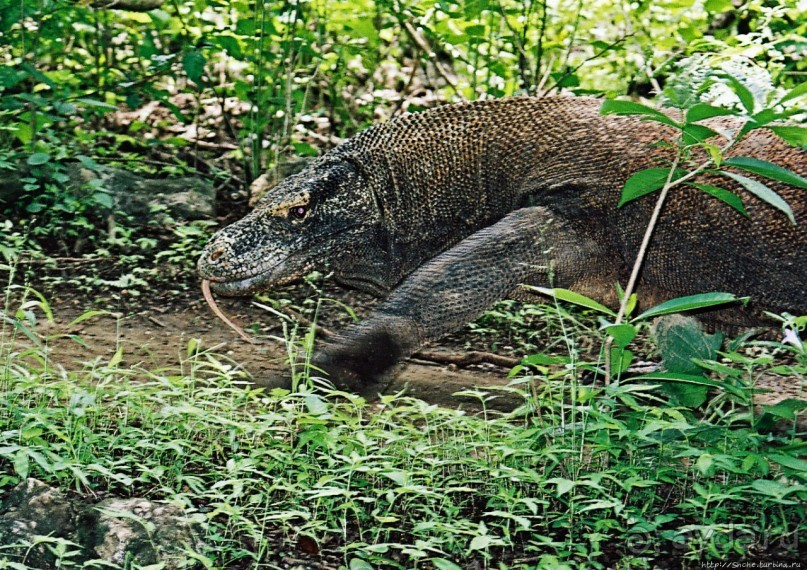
(42, 528)
(138, 530)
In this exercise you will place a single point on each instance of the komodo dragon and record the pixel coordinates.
(445, 212)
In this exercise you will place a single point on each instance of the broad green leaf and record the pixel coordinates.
(543, 359)
(620, 360)
(789, 461)
(96, 103)
(615, 107)
(316, 406)
(743, 93)
(23, 132)
(764, 193)
(572, 297)
(481, 542)
(563, 485)
(767, 169)
(685, 379)
(359, 564)
(786, 409)
(694, 134)
(689, 303)
(765, 116)
(798, 91)
(22, 464)
(722, 194)
(193, 63)
(622, 334)
(103, 199)
(749, 461)
(645, 182)
(38, 75)
(681, 340)
(705, 464)
(38, 158)
(230, 44)
(443, 564)
(796, 136)
(775, 488)
(717, 6)
(703, 111)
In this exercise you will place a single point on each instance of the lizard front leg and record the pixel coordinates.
(452, 289)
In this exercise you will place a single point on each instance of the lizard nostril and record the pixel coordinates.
(216, 254)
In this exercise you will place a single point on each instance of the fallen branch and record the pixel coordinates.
(468, 358)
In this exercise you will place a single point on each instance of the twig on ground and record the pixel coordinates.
(468, 358)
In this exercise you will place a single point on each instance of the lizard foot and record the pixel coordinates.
(362, 365)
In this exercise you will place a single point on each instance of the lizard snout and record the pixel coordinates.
(214, 260)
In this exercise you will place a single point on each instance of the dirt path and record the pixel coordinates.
(155, 335)
(157, 338)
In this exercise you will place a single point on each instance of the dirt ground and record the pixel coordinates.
(154, 333)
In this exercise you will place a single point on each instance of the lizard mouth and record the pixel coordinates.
(246, 286)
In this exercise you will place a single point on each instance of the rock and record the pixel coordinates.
(32, 511)
(188, 198)
(113, 190)
(117, 531)
(138, 530)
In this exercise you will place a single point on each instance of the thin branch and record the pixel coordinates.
(424, 46)
(467, 359)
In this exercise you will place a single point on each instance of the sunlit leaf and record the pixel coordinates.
(796, 136)
(622, 334)
(576, 298)
(702, 111)
(798, 91)
(764, 193)
(645, 182)
(767, 169)
(722, 194)
(689, 303)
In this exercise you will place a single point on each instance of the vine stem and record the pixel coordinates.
(637, 265)
(648, 234)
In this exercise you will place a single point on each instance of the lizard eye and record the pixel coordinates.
(298, 213)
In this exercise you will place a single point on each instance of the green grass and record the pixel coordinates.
(578, 477)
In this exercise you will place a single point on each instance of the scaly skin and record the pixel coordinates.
(447, 211)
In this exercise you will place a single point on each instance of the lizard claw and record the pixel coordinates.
(362, 364)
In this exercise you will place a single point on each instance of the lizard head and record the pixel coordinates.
(307, 221)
